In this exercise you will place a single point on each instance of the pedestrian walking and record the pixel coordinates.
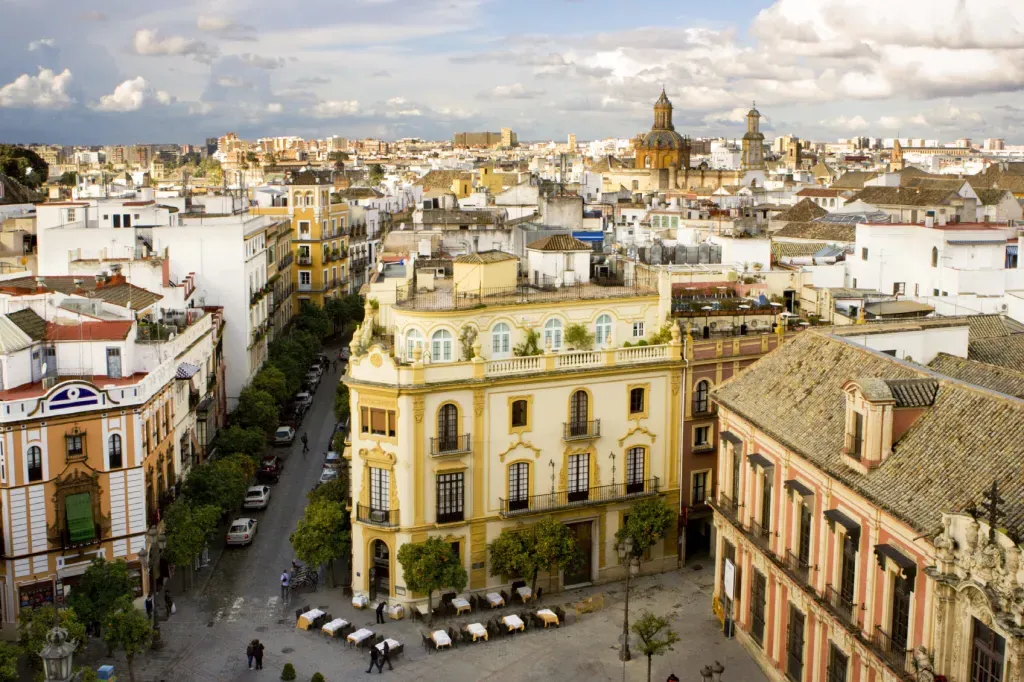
(385, 656)
(375, 661)
(149, 606)
(250, 652)
(380, 612)
(168, 602)
(258, 653)
(305, 443)
(285, 583)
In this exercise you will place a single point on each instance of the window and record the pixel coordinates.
(917, 290)
(838, 663)
(448, 428)
(638, 330)
(858, 436)
(520, 413)
(635, 470)
(900, 627)
(449, 497)
(758, 597)
(518, 486)
(766, 504)
(899, 288)
(305, 278)
(804, 547)
(579, 477)
(795, 645)
(377, 422)
(553, 334)
(702, 437)
(579, 413)
(73, 443)
(603, 331)
(501, 341)
(854, 282)
(736, 457)
(441, 346)
(935, 292)
(380, 489)
(935, 257)
(80, 526)
(700, 397)
(848, 570)
(114, 460)
(116, 220)
(699, 488)
(71, 215)
(988, 654)
(35, 464)
(126, 219)
(864, 253)
(413, 340)
(636, 400)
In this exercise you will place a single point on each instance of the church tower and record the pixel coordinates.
(663, 147)
(753, 142)
(896, 160)
(663, 113)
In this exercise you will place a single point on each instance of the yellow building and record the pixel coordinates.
(280, 277)
(459, 433)
(320, 233)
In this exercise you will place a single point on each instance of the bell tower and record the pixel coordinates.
(663, 113)
(753, 142)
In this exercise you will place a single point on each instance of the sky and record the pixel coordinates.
(119, 72)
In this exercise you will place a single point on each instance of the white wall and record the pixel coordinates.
(919, 345)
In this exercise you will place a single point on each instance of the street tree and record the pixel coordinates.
(337, 312)
(321, 536)
(189, 529)
(341, 402)
(273, 381)
(332, 491)
(9, 655)
(221, 483)
(103, 584)
(129, 630)
(376, 174)
(431, 565)
(647, 522)
(68, 179)
(545, 546)
(257, 409)
(314, 320)
(656, 637)
(34, 624)
(248, 441)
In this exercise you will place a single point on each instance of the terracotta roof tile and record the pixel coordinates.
(1008, 381)
(485, 257)
(802, 212)
(89, 331)
(559, 242)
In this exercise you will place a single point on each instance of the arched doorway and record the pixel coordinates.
(380, 570)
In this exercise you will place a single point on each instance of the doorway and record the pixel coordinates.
(380, 570)
(584, 534)
(114, 363)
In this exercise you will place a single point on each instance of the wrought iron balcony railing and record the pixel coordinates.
(565, 499)
(451, 445)
(377, 517)
(579, 430)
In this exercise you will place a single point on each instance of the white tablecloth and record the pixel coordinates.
(441, 638)
(392, 644)
(513, 622)
(360, 601)
(524, 592)
(312, 614)
(334, 625)
(494, 599)
(359, 635)
(476, 629)
(460, 604)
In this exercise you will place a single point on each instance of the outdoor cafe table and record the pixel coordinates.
(333, 627)
(394, 646)
(548, 616)
(359, 635)
(477, 630)
(360, 601)
(440, 638)
(307, 619)
(513, 622)
(495, 599)
(525, 592)
(460, 605)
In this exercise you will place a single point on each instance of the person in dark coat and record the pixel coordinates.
(168, 601)
(385, 657)
(375, 661)
(149, 606)
(250, 652)
(380, 612)
(258, 653)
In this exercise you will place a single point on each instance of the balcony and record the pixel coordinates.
(285, 261)
(581, 430)
(450, 517)
(798, 566)
(728, 506)
(67, 543)
(840, 605)
(899, 658)
(451, 445)
(578, 498)
(305, 286)
(450, 298)
(305, 260)
(386, 518)
(761, 535)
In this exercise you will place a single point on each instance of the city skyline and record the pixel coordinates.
(120, 74)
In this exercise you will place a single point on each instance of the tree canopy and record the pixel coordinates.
(24, 165)
(647, 522)
(34, 624)
(656, 637)
(272, 380)
(248, 441)
(545, 546)
(189, 528)
(313, 319)
(256, 409)
(321, 536)
(103, 585)
(376, 173)
(221, 483)
(9, 655)
(332, 491)
(431, 565)
(129, 630)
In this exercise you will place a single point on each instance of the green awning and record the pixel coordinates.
(80, 524)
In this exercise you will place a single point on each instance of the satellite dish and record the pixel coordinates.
(44, 368)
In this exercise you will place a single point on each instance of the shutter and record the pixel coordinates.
(378, 423)
(80, 523)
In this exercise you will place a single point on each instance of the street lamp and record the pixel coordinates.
(775, 311)
(630, 562)
(743, 319)
(57, 655)
(707, 310)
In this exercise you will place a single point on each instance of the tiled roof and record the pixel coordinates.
(988, 326)
(829, 232)
(116, 293)
(827, 193)
(990, 197)
(913, 392)
(606, 164)
(902, 196)
(1005, 351)
(969, 435)
(29, 322)
(559, 242)
(794, 249)
(952, 184)
(996, 378)
(853, 179)
(312, 177)
(442, 179)
(435, 216)
(485, 257)
(89, 331)
(802, 212)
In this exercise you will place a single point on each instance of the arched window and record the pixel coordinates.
(441, 346)
(700, 397)
(448, 428)
(35, 464)
(603, 330)
(553, 334)
(579, 413)
(935, 257)
(413, 339)
(501, 340)
(647, 161)
(114, 452)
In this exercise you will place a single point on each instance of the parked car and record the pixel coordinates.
(303, 401)
(241, 532)
(257, 497)
(270, 469)
(312, 380)
(327, 475)
(322, 360)
(333, 459)
(284, 435)
(344, 354)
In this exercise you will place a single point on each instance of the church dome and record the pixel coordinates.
(662, 139)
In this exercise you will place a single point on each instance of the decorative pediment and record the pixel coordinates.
(519, 444)
(638, 428)
(377, 456)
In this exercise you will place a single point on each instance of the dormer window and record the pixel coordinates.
(857, 447)
(878, 413)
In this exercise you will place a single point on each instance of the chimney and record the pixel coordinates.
(78, 286)
(40, 286)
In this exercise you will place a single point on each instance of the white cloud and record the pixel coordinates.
(48, 90)
(890, 122)
(275, 108)
(131, 95)
(233, 82)
(515, 91)
(148, 42)
(263, 62)
(225, 27)
(334, 108)
(734, 115)
(851, 124)
(41, 43)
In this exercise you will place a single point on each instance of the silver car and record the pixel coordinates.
(241, 532)
(328, 474)
(257, 497)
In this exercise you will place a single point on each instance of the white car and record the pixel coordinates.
(257, 497)
(303, 399)
(241, 532)
(333, 460)
(284, 435)
(328, 474)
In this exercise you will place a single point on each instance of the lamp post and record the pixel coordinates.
(625, 551)
(156, 543)
(775, 311)
(57, 655)
(707, 331)
(743, 319)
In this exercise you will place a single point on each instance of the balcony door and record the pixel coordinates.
(579, 478)
(448, 428)
(114, 363)
(900, 614)
(634, 471)
(584, 534)
(380, 493)
(518, 486)
(578, 413)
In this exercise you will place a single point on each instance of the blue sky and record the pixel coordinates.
(125, 72)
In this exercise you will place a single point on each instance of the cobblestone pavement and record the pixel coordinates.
(237, 599)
